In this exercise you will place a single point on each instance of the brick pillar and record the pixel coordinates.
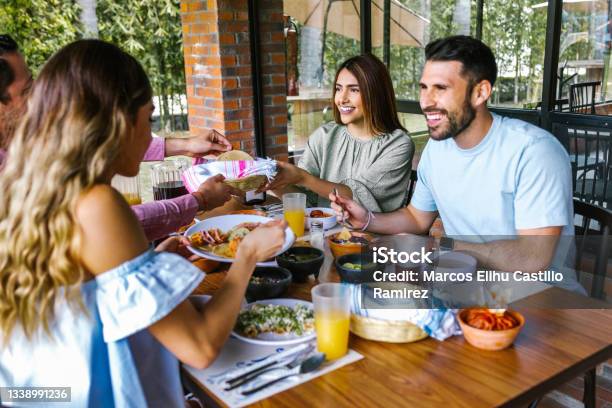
(272, 49)
(218, 72)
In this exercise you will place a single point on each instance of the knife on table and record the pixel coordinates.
(274, 360)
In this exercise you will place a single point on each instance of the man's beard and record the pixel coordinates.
(9, 120)
(458, 123)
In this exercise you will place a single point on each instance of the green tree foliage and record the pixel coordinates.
(516, 34)
(513, 29)
(441, 17)
(40, 27)
(337, 49)
(150, 30)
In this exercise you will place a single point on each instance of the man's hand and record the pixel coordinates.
(287, 175)
(209, 145)
(437, 229)
(214, 193)
(347, 209)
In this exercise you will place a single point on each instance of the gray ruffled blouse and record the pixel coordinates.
(377, 170)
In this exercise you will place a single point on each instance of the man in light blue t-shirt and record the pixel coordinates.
(501, 186)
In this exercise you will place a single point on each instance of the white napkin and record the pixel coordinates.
(231, 170)
(237, 356)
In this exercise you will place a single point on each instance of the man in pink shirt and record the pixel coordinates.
(158, 218)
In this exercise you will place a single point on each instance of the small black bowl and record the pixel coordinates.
(268, 290)
(363, 275)
(300, 270)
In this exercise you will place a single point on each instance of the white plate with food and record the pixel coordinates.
(276, 322)
(218, 238)
(325, 215)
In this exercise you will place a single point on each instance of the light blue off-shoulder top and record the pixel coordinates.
(106, 356)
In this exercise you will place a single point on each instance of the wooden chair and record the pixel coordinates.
(582, 97)
(593, 238)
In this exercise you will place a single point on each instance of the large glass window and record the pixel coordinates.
(412, 24)
(321, 34)
(583, 75)
(516, 32)
(417, 128)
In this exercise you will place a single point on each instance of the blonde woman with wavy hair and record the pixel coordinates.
(84, 302)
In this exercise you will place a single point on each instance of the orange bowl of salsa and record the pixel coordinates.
(490, 330)
(348, 242)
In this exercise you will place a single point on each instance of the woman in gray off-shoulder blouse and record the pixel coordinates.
(365, 154)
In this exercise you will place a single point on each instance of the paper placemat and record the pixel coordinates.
(237, 357)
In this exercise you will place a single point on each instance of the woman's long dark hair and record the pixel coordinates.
(377, 95)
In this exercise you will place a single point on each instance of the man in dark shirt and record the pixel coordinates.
(15, 82)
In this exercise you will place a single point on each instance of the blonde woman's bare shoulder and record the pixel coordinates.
(110, 232)
(100, 204)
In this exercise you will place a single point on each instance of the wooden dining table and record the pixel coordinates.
(555, 346)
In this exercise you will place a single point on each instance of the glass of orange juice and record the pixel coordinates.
(129, 187)
(294, 210)
(332, 316)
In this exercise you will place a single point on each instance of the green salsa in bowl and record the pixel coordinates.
(356, 268)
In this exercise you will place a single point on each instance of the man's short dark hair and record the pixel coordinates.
(477, 58)
(7, 44)
(7, 76)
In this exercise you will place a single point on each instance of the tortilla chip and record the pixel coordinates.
(247, 183)
(233, 155)
(345, 234)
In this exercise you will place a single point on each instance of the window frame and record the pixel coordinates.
(544, 117)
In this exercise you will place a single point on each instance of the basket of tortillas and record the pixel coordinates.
(390, 331)
(397, 322)
(239, 169)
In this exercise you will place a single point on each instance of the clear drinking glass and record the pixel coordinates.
(294, 210)
(166, 179)
(332, 317)
(129, 187)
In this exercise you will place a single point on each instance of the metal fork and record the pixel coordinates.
(269, 207)
(344, 221)
(307, 365)
(297, 360)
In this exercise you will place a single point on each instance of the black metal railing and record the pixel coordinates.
(588, 140)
